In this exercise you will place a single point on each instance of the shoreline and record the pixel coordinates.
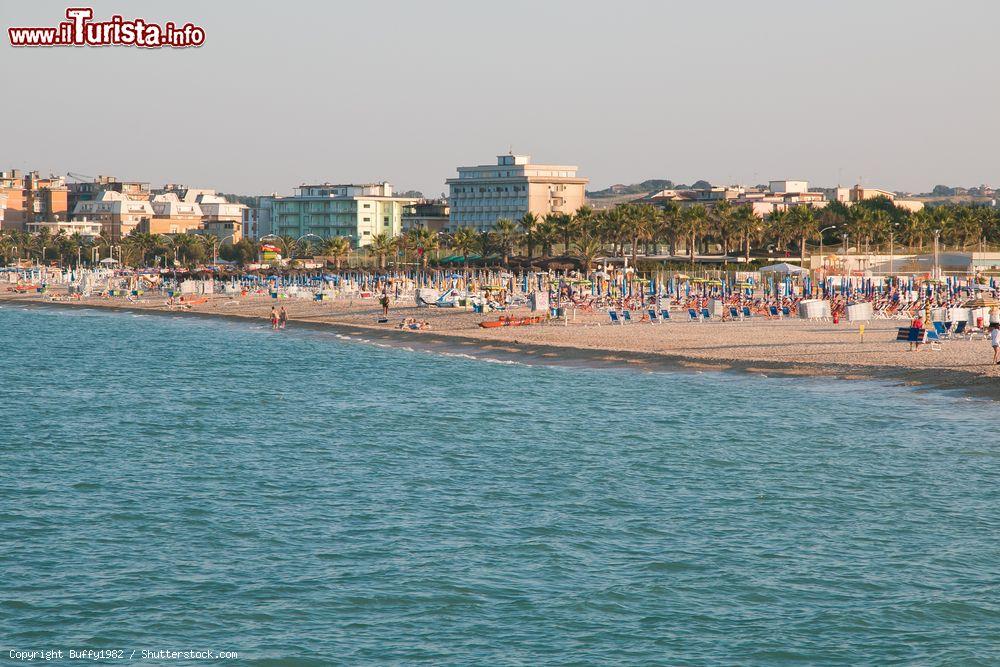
(503, 344)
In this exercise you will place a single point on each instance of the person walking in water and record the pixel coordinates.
(384, 302)
(282, 318)
(274, 318)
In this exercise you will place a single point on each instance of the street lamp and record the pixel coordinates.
(215, 247)
(937, 235)
(892, 231)
(822, 257)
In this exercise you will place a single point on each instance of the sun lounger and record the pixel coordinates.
(664, 314)
(746, 313)
(774, 312)
(733, 313)
(693, 314)
(940, 329)
(614, 317)
(705, 314)
(786, 311)
(919, 336)
(653, 317)
(627, 316)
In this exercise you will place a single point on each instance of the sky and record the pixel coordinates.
(894, 94)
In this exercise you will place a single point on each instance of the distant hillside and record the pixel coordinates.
(651, 185)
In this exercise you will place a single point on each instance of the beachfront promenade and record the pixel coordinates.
(788, 346)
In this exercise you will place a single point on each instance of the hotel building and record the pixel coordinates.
(117, 214)
(514, 186)
(357, 212)
(173, 216)
(31, 198)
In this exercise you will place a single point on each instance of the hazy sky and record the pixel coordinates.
(903, 94)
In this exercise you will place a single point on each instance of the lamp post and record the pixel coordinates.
(847, 247)
(937, 235)
(822, 257)
(215, 247)
(892, 231)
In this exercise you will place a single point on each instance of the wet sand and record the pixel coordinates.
(789, 347)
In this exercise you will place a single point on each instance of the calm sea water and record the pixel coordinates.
(187, 484)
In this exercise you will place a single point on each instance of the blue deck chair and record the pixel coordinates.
(627, 316)
(705, 314)
(933, 338)
(664, 314)
(614, 317)
(746, 313)
(959, 328)
(774, 311)
(940, 329)
(786, 311)
(733, 313)
(693, 314)
(653, 317)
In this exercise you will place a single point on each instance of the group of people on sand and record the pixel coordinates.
(278, 319)
(414, 324)
(992, 335)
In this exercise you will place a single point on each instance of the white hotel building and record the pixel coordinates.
(483, 194)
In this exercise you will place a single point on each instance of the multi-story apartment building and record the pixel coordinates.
(117, 213)
(429, 214)
(32, 198)
(173, 216)
(257, 217)
(357, 212)
(215, 208)
(512, 187)
(91, 190)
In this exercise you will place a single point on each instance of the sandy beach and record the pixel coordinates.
(788, 347)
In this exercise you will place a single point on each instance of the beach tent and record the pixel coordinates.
(783, 268)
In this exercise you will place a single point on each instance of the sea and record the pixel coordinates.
(199, 491)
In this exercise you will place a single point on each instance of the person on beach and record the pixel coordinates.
(274, 318)
(916, 327)
(282, 318)
(384, 302)
(995, 341)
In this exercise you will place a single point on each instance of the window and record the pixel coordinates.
(368, 205)
(385, 219)
(368, 219)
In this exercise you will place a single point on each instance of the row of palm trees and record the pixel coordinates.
(627, 229)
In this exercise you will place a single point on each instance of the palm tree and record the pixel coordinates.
(692, 224)
(288, 246)
(425, 241)
(528, 223)
(506, 235)
(465, 240)
(746, 223)
(336, 247)
(666, 228)
(588, 248)
(382, 245)
(581, 220)
(564, 225)
(546, 235)
(802, 222)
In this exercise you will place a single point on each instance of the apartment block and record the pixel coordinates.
(326, 210)
(512, 187)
